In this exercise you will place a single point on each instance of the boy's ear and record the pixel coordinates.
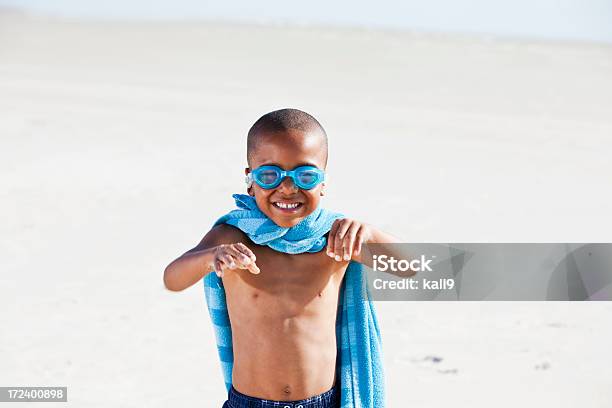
(247, 170)
(322, 192)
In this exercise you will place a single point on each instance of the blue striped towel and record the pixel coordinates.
(357, 332)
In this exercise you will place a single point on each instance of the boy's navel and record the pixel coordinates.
(287, 390)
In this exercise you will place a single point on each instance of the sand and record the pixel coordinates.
(122, 143)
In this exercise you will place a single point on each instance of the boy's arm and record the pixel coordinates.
(220, 249)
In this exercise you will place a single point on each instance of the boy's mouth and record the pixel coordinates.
(287, 206)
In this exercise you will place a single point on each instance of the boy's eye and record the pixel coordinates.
(308, 177)
(268, 176)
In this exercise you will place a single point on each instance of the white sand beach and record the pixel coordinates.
(123, 142)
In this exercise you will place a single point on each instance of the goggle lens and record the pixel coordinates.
(307, 178)
(268, 177)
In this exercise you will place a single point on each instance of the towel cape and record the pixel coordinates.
(360, 369)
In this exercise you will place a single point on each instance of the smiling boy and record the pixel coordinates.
(282, 306)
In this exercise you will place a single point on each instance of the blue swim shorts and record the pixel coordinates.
(329, 399)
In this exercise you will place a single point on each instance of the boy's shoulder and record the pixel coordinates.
(226, 234)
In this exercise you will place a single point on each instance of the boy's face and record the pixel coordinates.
(288, 150)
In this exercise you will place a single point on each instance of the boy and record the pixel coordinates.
(282, 305)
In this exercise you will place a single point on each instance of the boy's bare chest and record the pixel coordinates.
(286, 274)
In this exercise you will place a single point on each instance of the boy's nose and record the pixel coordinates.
(287, 185)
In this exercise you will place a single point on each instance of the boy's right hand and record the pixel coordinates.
(232, 256)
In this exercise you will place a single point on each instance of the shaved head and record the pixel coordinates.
(282, 121)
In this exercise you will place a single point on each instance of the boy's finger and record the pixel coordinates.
(358, 241)
(350, 241)
(253, 268)
(246, 251)
(244, 264)
(331, 237)
(228, 261)
(218, 269)
(339, 241)
(241, 259)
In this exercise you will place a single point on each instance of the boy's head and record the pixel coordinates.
(288, 139)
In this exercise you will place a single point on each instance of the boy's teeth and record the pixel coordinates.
(287, 205)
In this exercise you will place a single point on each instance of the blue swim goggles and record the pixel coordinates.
(268, 177)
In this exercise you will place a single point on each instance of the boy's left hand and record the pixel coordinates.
(346, 237)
